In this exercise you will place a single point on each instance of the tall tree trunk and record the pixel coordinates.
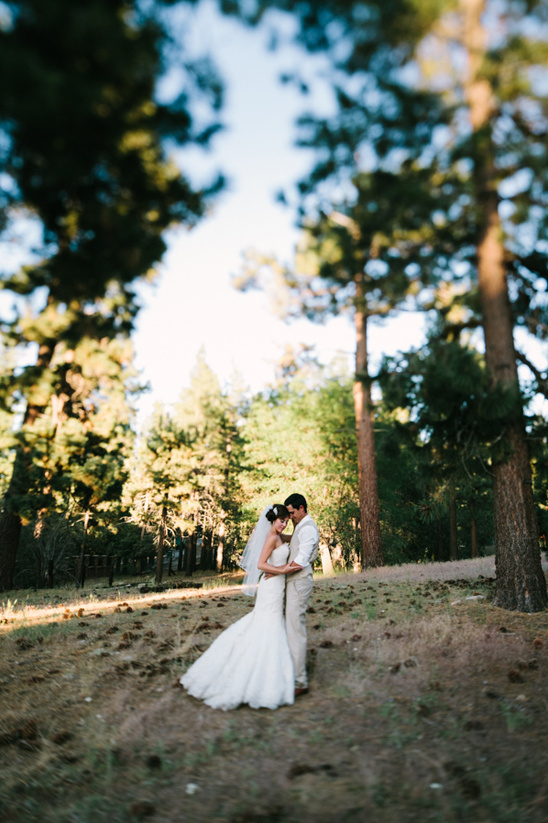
(191, 553)
(10, 531)
(148, 496)
(473, 528)
(10, 520)
(371, 554)
(453, 527)
(520, 581)
(51, 573)
(221, 543)
(81, 575)
(205, 556)
(327, 563)
(222, 527)
(139, 564)
(439, 535)
(161, 540)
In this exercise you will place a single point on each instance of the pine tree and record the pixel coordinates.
(520, 580)
(185, 480)
(163, 480)
(86, 157)
(79, 452)
(444, 409)
(93, 435)
(214, 418)
(454, 87)
(300, 436)
(366, 259)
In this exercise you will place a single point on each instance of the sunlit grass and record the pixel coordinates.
(39, 606)
(29, 609)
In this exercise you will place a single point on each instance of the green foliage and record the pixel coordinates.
(47, 552)
(76, 462)
(451, 403)
(445, 421)
(91, 183)
(85, 135)
(393, 107)
(392, 202)
(405, 538)
(188, 464)
(300, 436)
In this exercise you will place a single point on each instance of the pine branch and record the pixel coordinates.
(542, 380)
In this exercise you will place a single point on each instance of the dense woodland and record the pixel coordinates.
(428, 193)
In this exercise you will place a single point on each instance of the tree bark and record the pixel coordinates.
(191, 554)
(439, 535)
(222, 527)
(453, 527)
(371, 554)
(148, 496)
(205, 557)
(160, 550)
(327, 563)
(51, 573)
(221, 543)
(520, 581)
(10, 531)
(473, 529)
(81, 576)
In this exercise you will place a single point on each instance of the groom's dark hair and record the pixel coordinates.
(296, 500)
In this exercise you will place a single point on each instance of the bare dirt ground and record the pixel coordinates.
(427, 703)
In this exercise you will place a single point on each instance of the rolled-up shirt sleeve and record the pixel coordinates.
(308, 538)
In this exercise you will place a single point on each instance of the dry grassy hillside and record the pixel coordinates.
(426, 704)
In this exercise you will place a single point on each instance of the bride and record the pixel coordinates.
(250, 662)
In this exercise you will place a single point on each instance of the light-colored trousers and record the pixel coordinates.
(297, 594)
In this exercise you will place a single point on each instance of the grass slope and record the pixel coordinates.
(426, 704)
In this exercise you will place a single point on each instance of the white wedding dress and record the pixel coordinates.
(249, 662)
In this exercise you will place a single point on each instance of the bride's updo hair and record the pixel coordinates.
(275, 511)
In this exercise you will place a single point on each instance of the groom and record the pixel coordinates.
(303, 550)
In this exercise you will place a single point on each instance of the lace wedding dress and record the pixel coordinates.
(249, 662)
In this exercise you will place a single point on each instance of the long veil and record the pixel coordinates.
(252, 552)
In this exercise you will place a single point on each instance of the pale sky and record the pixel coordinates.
(194, 304)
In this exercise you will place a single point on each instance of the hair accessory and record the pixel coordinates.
(275, 510)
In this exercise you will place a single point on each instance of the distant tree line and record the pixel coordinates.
(190, 485)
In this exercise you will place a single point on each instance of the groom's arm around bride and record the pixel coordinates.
(303, 550)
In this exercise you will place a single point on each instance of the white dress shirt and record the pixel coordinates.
(308, 541)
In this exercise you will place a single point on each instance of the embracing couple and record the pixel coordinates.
(261, 659)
